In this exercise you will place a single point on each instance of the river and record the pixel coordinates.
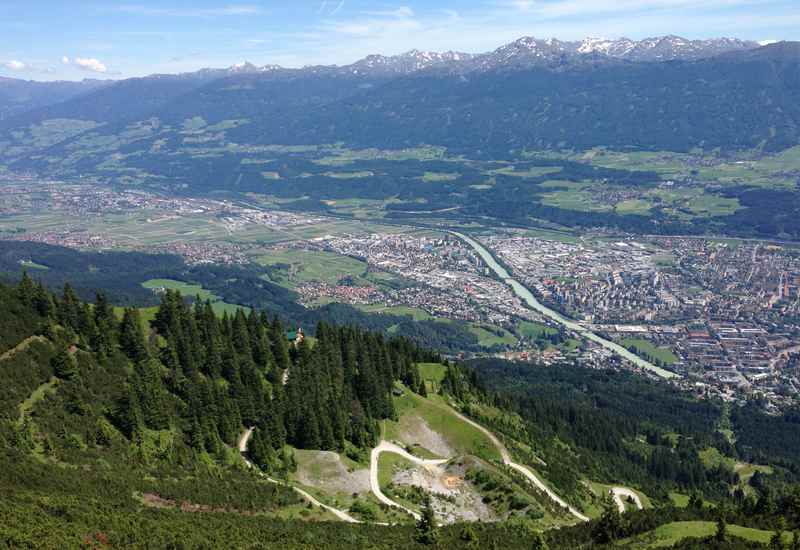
(528, 297)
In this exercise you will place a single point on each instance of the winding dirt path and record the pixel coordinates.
(621, 493)
(22, 346)
(524, 470)
(342, 515)
(388, 447)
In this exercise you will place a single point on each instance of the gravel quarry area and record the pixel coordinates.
(454, 498)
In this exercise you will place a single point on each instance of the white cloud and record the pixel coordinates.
(14, 65)
(65, 60)
(767, 42)
(90, 64)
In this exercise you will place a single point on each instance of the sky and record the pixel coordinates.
(76, 39)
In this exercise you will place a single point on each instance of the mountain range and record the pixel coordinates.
(663, 93)
(527, 50)
(532, 51)
(31, 94)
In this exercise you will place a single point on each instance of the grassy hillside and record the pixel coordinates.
(430, 422)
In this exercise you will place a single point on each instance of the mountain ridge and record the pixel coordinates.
(655, 49)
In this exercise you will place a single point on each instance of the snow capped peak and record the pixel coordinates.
(528, 51)
(410, 61)
(244, 67)
(529, 46)
(605, 46)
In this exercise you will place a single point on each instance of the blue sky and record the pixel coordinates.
(74, 39)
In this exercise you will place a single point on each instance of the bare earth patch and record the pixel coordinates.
(414, 430)
(152, 500)
(325, 470)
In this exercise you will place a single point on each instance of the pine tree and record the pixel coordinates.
(722, 529)
(102, 340)
(609, 527)
(152, 395)
(26, 290)
(280, 348)
(696, 501)
(68, 308)
(87, 331)
(129, 413)
(426, 532)
(468, 535)
(43, 301)
(260, 450)
(131, 337)
(196, 435)
(65, 366)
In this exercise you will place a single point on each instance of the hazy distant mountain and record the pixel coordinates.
(18, 96)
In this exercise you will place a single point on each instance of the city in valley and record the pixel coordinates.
(722, 314)
(267, 281)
